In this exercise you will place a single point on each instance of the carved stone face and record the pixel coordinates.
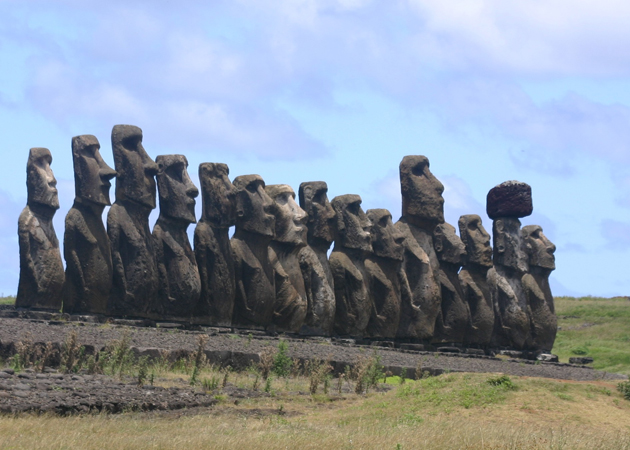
(353, 224)
(421, 191)
(177, 191)
(448, 246)
(508, 250)
(40, 180)
(91, 173)
(136, 170)
(476, 239)
(386, 239)
(539, 249)
(254, 208)
(321, 215)
(290, 218)
(218, 195)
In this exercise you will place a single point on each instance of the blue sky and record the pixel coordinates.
(340, 91)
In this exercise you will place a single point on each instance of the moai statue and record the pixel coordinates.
(387, 281)
(454, 317)
(212, 246)
(135, 280)
(318, 279)
(180, 285)
(473, 279)
(505, 204)
(422, 211)
(41, 269)
(347, 262)
(86, 246)
(290, 237)
(254, 274)
(542, 262)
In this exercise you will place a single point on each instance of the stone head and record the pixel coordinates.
(539, 249)
(353, 224)
(290, 218)
(136, 171)
(321, 215)
(254, 208)
(176, 189)
(387, 240)
(448, 246)
(508, 249)
(421, 192)
(476, 239)
(40, 180)
(91, 173)
(218, 195)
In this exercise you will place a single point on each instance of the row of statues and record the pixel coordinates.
(414, 280)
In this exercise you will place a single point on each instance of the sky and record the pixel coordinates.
(339, 91)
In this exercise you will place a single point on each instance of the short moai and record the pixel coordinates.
(86, 246)
(135, 280)
(253, 272)
(318, 279)
(212, 246)
(289, 238)
(180, 286)
(41, 269)
(347, 263)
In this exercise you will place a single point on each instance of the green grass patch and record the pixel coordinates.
(7, 300)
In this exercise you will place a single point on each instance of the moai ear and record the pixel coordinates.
(499, 236)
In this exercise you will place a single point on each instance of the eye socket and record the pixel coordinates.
(418, 169)
(175, 172)
(282, 199)
(252, 187)
(383, 221)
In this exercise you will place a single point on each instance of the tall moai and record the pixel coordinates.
(253, 272)
(540, 252)
(289, 238)
(41, 269)
(180, 285)
(135, 280)
(474, 280)
(313, 258)
(212, 246)
(86, 246)
(347, 263)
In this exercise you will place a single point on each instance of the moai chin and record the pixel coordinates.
(318, 279)
(180, 285)
(135, 279)
(254, 274)
(347, 263)
(422, 211)
(290, 237)
(473, 279)
(86, 245)
(212, 246)
(41, 270)
(544, 323)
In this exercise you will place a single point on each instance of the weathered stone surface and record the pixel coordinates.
(135, 280)
(254, 274)
(212, 245)
(509, 199)
(180, 285)
(86, 246)
(580, 360)
(347, 262)
(41, 269)
(547, 357)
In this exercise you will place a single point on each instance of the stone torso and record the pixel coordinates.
(454, 317)
(477, 294)
(320, 292)
(353, 303)
(544, 323)
(291, 304)
(385, 288)
(512, 325)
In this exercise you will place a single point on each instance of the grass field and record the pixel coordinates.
(7, 300)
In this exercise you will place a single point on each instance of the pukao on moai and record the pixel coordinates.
(318, 279)
(387, 281)
(212, 246)
(86, 246)
(41, 270)
(289, 238)
(454, 317)
(180, 285)
(254, 275)
(506, 203)
(347, 263)
(473, 279)
(422, 211)
(544, 323)
(135, 280)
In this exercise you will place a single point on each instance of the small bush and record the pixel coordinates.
(624, 388)
(580, 351)
(282, 363)
(502, 381)
(210, 384)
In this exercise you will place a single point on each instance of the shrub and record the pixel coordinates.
(282, 363)
(624, 388)
(502, 381)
